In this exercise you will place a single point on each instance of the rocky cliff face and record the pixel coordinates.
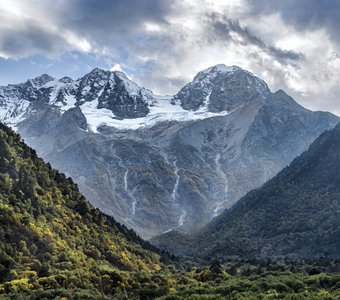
(97, 90)
(158, 163)
(295, 214)
(222, 88)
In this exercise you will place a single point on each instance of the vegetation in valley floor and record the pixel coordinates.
(55, 245)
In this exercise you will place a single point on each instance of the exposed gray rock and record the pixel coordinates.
(118, 99)
(173, 174)
(222, 88)
(42, 80)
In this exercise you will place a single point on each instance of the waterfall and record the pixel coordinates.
(220, 204)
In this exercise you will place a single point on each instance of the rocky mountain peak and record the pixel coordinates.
(98, 74)
(125, 98)
(98, 79)
(95, 77)
(216, 70)
(222, 88)
(66, 79)
(281, 100)
(42, 79)
(154, 163)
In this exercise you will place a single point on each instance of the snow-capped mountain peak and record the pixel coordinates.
(216, 70)
(137, 155)
(66, 79)
(42, 80)
(222, 88)
(133, 88)
(111, 98)
(112, 91)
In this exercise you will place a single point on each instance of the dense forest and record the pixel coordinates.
(55, 245)
(51, 237)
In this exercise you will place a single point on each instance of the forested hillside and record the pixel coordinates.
(55, 245)
(52, 239)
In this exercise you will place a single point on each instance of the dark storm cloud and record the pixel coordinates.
(304, 14)
(103, 19)
(18, 41)
(122, 13)
(104, 24)
(224, 27)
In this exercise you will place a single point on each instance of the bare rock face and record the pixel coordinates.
(222, 88)
(114, 91)
(161, 163)
(121, 102)
(296, 214)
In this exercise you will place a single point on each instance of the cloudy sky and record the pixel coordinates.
(293, 45)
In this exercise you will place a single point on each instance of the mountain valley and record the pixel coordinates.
(296, 214)
(55, 245)
(158, 163)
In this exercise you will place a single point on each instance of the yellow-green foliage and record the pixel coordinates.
(51, 238)
(55, 245)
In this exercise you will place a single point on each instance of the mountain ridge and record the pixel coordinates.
(55, 245)
(176, 167)
(294, 214)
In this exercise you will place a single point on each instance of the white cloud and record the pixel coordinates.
(312, 80)
(116, 67)
(164, 44)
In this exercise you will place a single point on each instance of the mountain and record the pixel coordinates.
(112, 92)
(158, 163)
(296, 214)
(222, 88)
(55, 245)
(53, 242)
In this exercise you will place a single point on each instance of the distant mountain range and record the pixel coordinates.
(158, 163)
(295, 214)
